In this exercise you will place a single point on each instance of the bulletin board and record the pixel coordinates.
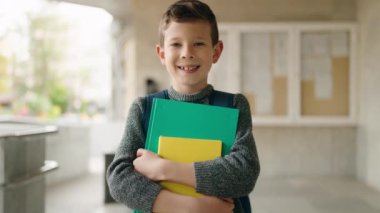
(265, 71)
(325, 74)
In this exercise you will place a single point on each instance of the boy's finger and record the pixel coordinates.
(140, 152)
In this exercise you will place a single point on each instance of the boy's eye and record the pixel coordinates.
(199, 44)
(175, 44)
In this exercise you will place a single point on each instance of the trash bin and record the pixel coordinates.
(107, 196)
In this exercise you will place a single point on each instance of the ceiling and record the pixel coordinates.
(119, 9)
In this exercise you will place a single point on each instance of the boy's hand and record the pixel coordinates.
(149, 164)
(171, 202)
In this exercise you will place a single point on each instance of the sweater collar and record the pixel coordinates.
(199, 97)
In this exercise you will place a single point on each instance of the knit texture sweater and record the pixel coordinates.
(231, 176)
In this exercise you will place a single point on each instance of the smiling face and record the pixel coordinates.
(188, 53)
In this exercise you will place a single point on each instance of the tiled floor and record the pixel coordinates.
(285, 195)
(314, 195)
(80, 195)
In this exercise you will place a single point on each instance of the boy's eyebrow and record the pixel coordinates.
(176, 39)
(179, 38)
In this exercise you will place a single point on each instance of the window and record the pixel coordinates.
(291, 72)
(54, 62)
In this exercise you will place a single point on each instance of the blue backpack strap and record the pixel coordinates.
(223, 99)
(148, 107)
(246, 204)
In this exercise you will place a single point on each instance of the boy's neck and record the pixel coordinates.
(197, 97)
(189, 90)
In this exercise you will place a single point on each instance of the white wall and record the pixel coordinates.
(70, 148)
(368, 140)
(306, 151)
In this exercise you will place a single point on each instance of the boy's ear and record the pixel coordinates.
(160, 53)
(217, 52)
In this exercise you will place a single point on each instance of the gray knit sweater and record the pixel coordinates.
(231, 176)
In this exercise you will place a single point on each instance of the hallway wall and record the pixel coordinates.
(306, 151)
(368, 140)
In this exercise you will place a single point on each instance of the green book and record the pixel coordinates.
(190, 120)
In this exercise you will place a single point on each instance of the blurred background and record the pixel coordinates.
(309, 69)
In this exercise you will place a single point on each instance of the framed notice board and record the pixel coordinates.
(291, 73)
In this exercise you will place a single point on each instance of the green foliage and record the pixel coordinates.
(59, 96)
(4, 77)
(38, 104)
(47, 49)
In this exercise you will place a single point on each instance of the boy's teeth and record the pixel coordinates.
(188, 68)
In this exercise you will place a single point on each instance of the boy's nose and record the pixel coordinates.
(187, 52)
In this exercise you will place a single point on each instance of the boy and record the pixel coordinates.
(189, 45)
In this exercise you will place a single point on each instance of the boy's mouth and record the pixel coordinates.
(189, 69)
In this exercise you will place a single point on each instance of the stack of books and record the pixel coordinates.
(189, 132)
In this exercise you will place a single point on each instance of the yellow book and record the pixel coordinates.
(187, 150)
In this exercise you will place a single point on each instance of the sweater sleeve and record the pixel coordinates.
(235, 174)
(126, 185)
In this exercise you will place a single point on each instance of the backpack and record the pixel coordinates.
(217, 98)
